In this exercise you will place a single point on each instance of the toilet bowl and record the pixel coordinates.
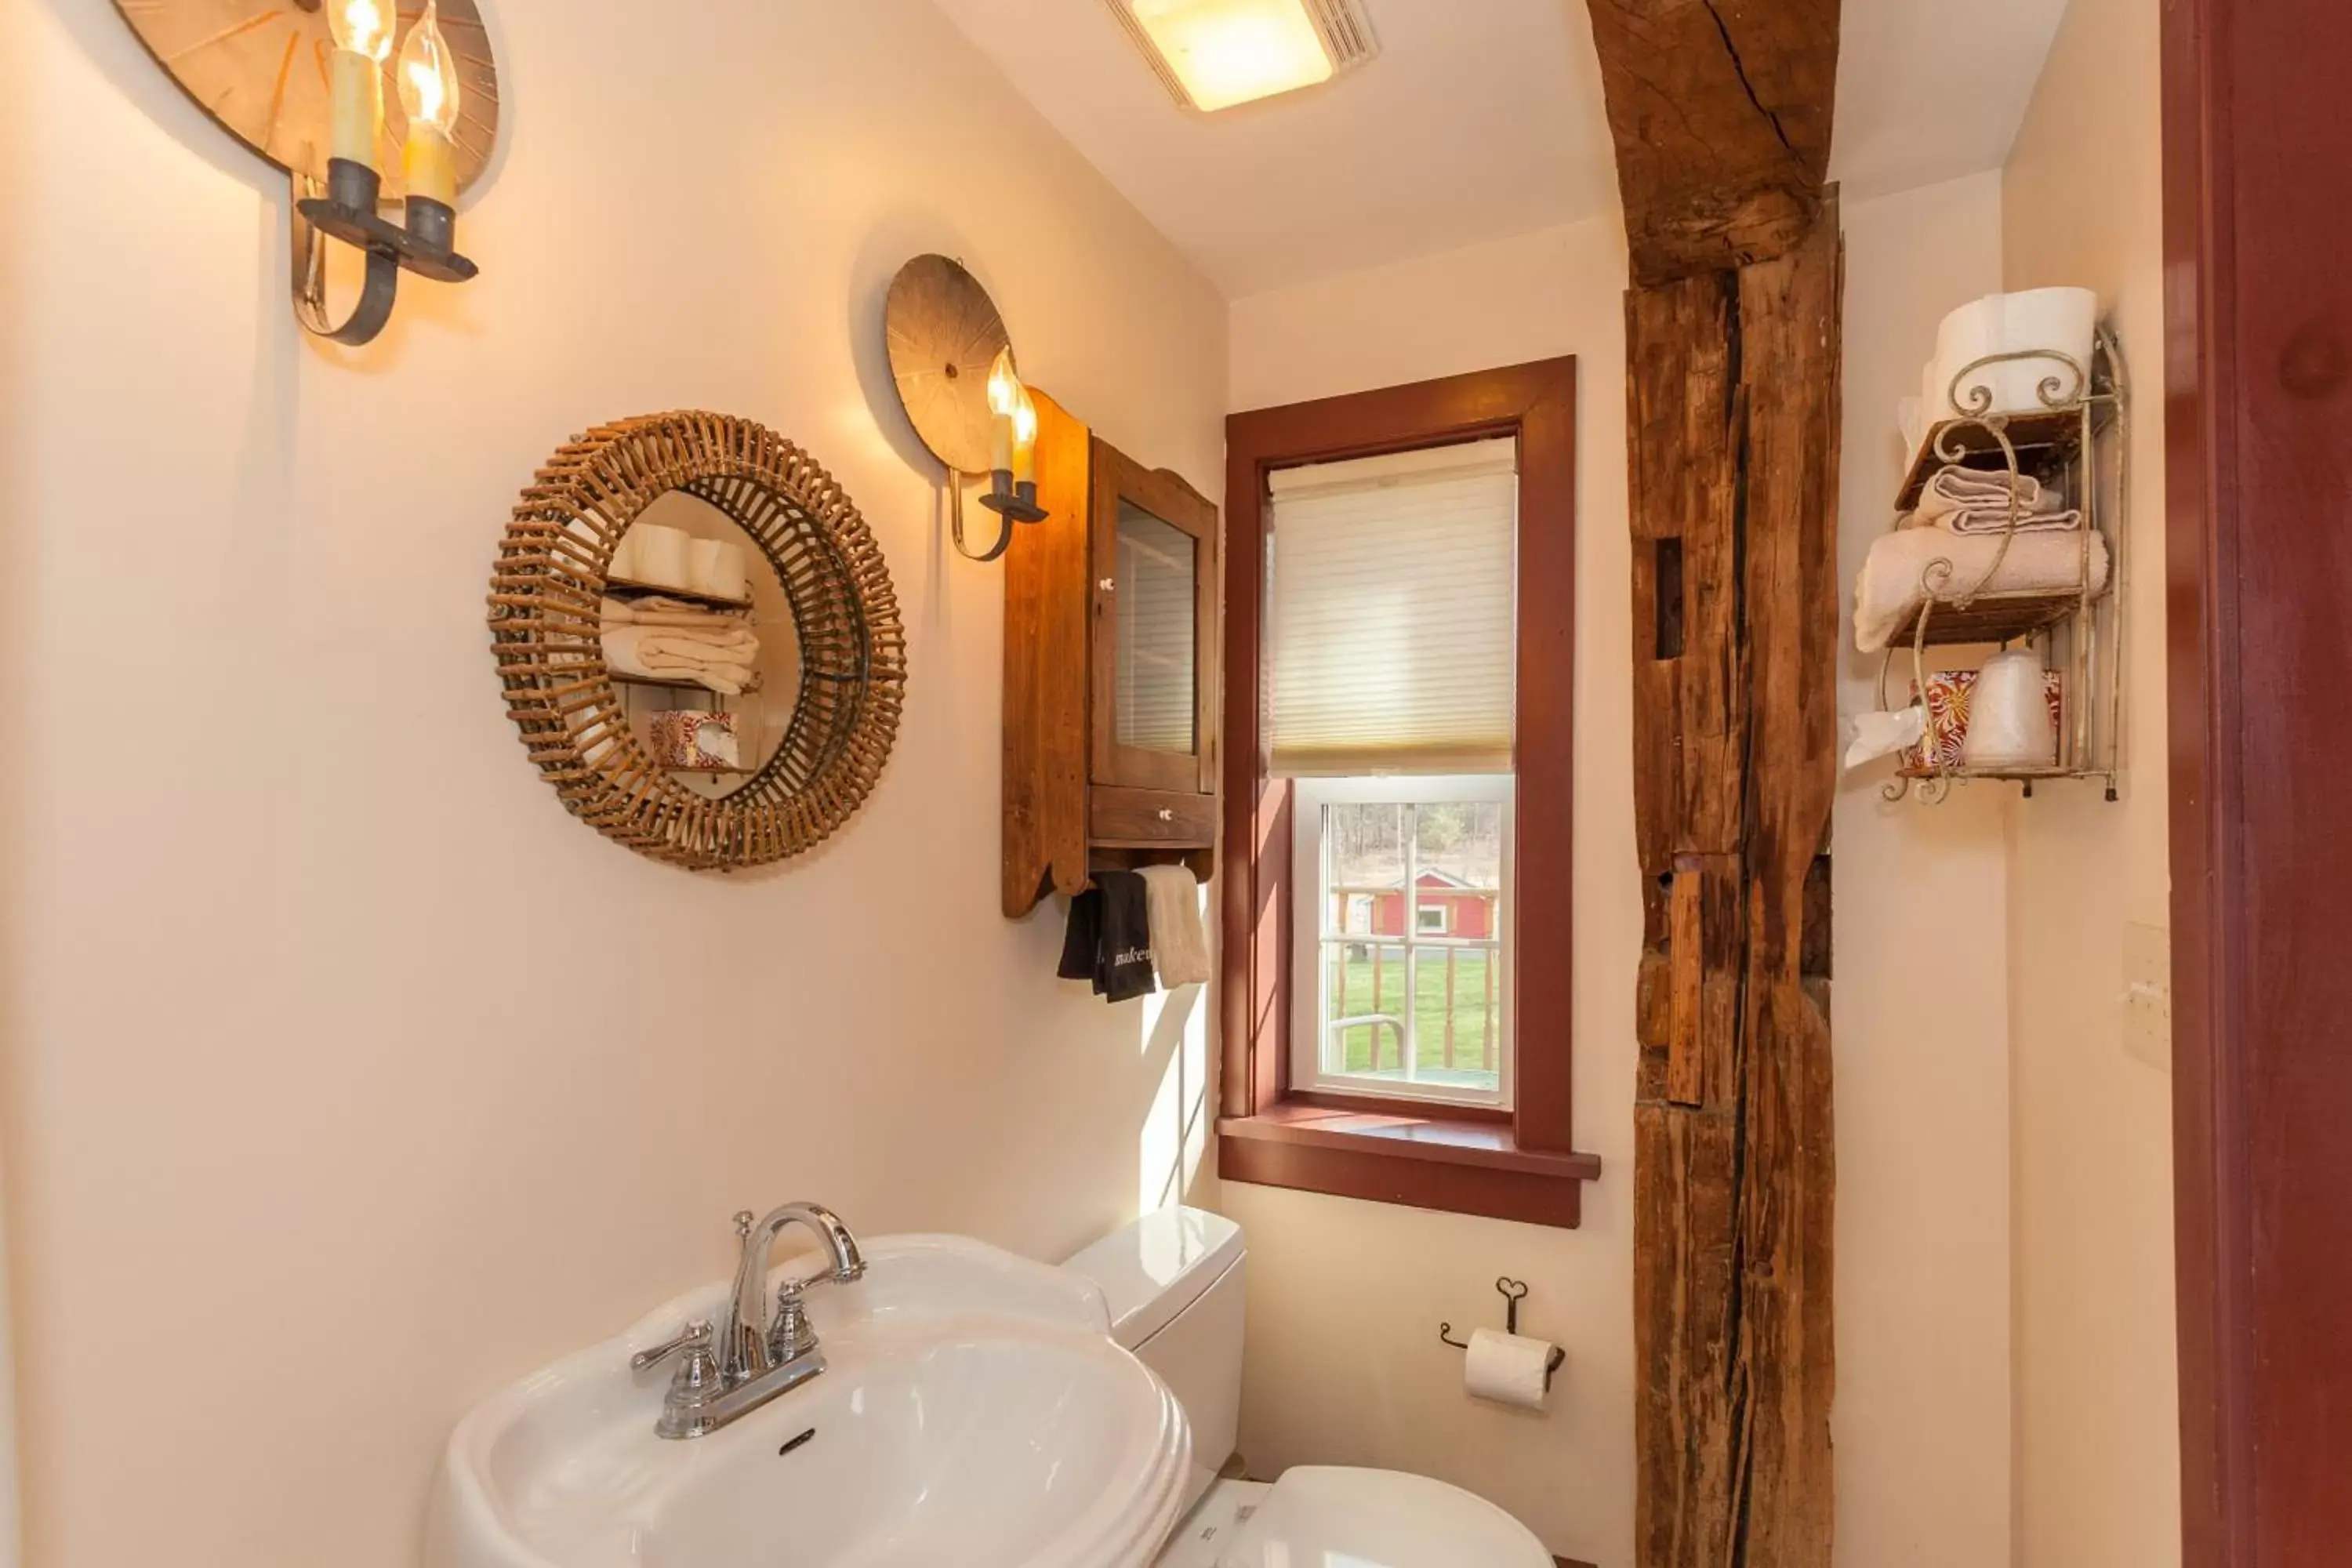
(1173, 1281)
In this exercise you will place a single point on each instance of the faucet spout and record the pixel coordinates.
(742, 1338)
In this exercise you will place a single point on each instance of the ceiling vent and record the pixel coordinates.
(1215, 54)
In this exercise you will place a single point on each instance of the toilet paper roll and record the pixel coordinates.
(2010, 725)
(704, 570)
(1509, 1369)
(2036, 320)
(661, 555)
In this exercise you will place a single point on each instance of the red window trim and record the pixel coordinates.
(1521, 1166)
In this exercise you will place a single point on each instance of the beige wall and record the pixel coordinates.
(347, 1078)
(2098, 1451)
(15, 557)
(1919, 1007)
(1346, 1296)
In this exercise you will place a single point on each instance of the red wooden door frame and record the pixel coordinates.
(2258, 224)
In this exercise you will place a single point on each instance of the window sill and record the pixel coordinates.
(1428, 1159)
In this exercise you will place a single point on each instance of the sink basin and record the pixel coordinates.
(974, 1411)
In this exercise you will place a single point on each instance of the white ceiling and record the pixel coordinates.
(1482, 118)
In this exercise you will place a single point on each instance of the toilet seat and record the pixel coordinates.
(1365, 1519)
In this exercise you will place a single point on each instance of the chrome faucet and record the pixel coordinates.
(731, 1370)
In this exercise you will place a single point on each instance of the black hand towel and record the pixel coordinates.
(1123, 942)
(1084, 938)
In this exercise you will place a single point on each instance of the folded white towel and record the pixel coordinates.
(1179, 942)
(658, 653)
(1972, 500)
(1888, 589)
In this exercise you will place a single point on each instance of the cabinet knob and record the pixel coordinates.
(1167, 814)
(1106, 584)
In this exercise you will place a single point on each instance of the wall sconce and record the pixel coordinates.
(953, 363)
(326, 126)
(431, 96)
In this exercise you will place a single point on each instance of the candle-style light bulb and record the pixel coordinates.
(1003, 404)
(428, 92)
(362, 30)
(1025, 439)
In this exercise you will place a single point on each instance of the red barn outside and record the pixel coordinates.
(1449, 906)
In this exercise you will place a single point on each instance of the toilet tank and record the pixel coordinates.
(1174, 1281)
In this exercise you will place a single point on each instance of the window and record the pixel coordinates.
(1390, 611)
(1393, 997)
(1398, 758)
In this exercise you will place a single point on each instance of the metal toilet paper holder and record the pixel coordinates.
(1513, 1292)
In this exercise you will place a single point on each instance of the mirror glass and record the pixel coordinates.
(702, 645)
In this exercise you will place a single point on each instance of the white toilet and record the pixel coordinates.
(1174, 1283)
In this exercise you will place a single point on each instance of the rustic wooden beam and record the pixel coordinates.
(1721, 112)
(1734, 396)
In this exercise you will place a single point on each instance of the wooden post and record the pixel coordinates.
(1734, 427)
(1721, 116)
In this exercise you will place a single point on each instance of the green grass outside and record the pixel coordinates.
(1355, 997)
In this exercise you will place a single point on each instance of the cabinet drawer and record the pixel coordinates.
(1150, 816)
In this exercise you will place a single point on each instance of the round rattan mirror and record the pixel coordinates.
(698, 640)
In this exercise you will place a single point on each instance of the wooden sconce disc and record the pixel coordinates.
(259, 68)
(944, 335)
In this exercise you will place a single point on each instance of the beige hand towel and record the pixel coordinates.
(1889, 589)
(1179, 942)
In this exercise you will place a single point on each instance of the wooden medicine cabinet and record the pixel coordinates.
(1111, 680)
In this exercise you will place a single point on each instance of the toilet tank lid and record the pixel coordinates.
(1151, 1270)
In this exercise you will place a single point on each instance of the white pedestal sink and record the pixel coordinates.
(974, 1412)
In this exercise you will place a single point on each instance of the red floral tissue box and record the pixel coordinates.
(682, 738)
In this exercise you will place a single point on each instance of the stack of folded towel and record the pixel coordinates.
(662, 638)
(1973, 500)
(1962, 531)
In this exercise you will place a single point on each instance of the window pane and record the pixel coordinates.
(1364, 1008)
(1411, 972)
(1364, 849)
(1458, 1008)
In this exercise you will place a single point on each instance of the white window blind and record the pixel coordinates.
(1392, 611)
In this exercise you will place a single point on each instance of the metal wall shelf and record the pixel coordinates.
(2077, 441)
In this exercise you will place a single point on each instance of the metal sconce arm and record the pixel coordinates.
(347, 211)
(1015, 503)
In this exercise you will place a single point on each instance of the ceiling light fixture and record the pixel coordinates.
(1215, 54)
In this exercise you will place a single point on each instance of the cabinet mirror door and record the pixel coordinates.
(1155, 545)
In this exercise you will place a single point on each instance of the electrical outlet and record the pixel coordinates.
(2148, 994)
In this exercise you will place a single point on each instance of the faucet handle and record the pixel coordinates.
(792, 1335)
(694, 1337)
(744, 1219)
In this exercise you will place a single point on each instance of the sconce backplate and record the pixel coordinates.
(944, 336)
(259, 68)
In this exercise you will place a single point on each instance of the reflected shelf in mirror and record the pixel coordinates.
(629, 589)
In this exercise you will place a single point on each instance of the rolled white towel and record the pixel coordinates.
(1888, 588)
